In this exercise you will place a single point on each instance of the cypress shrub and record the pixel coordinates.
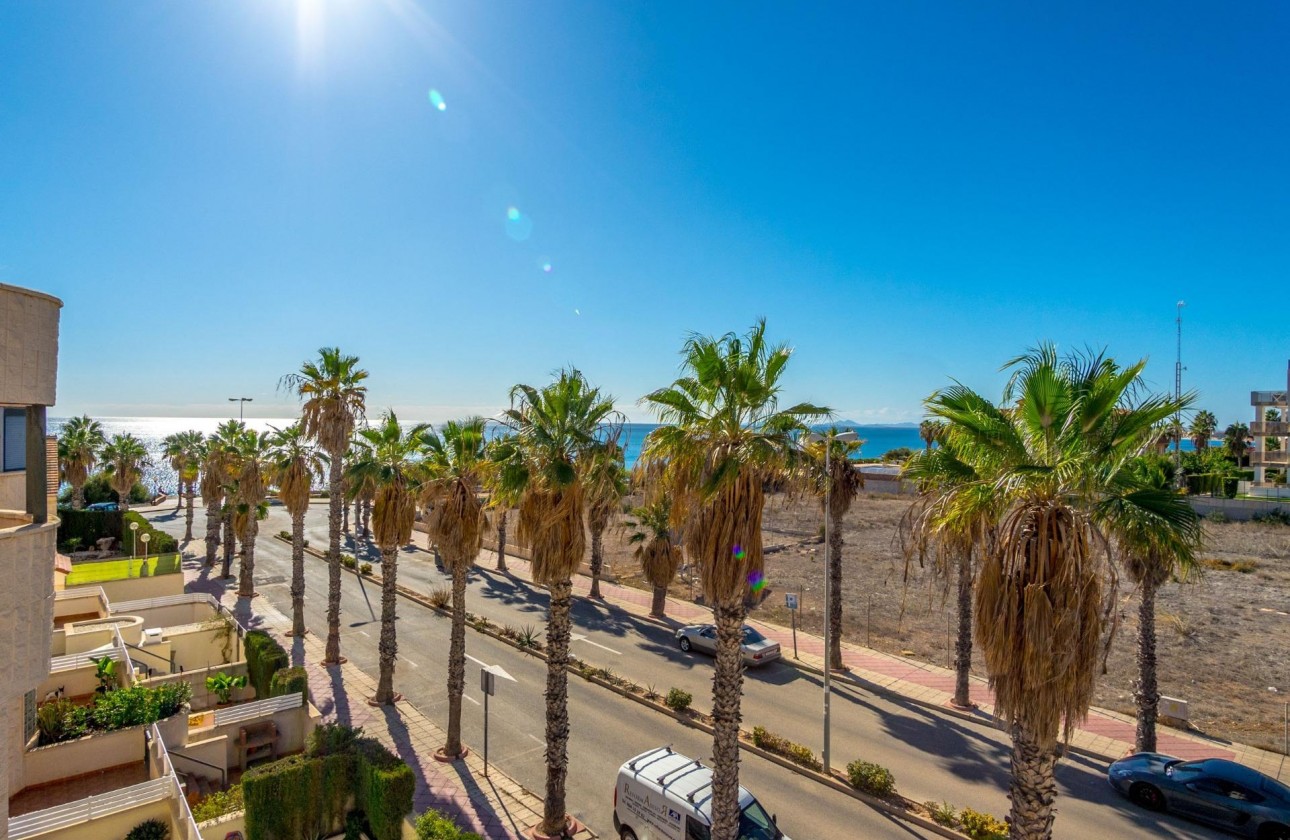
(159, 543)
(289, 681)
(281, 799)
(264, 658)
(89, 526)
(383, 788)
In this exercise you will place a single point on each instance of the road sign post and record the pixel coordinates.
(488, 685)
(790, 601)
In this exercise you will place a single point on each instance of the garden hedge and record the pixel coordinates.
(383, 788)
(264, 658)
(159, 543)
(289, 681)
(89, 526)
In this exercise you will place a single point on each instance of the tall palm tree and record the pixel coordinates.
(499, 501)
(335, 398)
(124, 459)
(724, 435)
(1152, 552)
(606, 486)
(840, 484)
(182, 451)
(79, 442)
(931, 432)
(389, 461)
(1203, 426)
(296, 464)
(556, 429)
(456, 469)
(1236, 439)
(218, 456)
(1053, 475)
(173, 450)
(650, 530)
(253, 460)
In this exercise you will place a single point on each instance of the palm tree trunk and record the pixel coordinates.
(1145, 693)
(727, 687)
(835, 599)
(230, 545)
(212, 531)
(557, 707)
(1033, 788)
(246, 581)
(389, 645)
(188, 512)
(658, 607)
(456, 660)
(298, 573)
(501, 542)
(344, 512)
(179, 492)
(123, 499)
(78, 496)
(963, 645)
(367, 519)
(334, 504)
(597, 561)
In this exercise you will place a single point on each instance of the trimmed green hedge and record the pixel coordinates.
(289, 681)
(89, 526)
(159, 543)
(306, 795)
(264, 658)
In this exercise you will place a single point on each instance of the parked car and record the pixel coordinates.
(662, 795)
(757, 649)
(103, 506)
(1220, 793)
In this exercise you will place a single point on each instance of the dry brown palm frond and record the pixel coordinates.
(659, 559)
(551, 525)
(724, 538)
(456, 522)
(294, 484)
(393, 513)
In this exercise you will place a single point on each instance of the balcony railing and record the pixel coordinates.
(1279, 458)
(91, 808)
(1267, 398)
(1263, 428)
(258, 708)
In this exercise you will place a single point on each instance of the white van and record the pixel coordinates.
(662, 795)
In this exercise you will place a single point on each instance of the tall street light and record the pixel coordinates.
(241, 401)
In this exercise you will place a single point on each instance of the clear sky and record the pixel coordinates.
(908, 192)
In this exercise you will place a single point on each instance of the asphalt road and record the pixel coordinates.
(933, 756)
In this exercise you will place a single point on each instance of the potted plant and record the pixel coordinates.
(105, 673)
(172, 705)
(223, 684)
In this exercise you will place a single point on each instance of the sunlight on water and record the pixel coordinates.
(436, 99)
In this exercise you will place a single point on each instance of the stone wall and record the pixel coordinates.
(28, 346)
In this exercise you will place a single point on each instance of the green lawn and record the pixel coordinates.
(97, 571)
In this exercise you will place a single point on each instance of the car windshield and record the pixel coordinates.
(752, 637)
(756, 824)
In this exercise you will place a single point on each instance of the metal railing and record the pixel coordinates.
(167, 601)
(1267, 397)
(187, 825)
(170, 666)
(257, 708)
(72, 661)
(223, 774)
(91, 808)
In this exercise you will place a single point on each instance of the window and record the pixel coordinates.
(752, 637)
(14, 437)
(695, 830)
(756, 824)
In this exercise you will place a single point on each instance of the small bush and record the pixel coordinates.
(440, 597)
(1273, 517)
(264, 658)
(678, 700)
(873, 779)
(365, 569)
(289, 681)
(1218, 517)
(796, 753)
(158, 543)
(348, 562)
(286, 535)
(981, 826)
(528, 637)
(1222, 564)
(61, 720)
(149, 830)
(509, 632)
(433, 825)
(223, 684)
(942, 813)
(218, 804)
(332, 738)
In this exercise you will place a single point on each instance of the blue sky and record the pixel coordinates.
(908, 192)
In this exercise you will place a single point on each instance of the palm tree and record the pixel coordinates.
(656, 549)
(124, 459)
(173, 450)
(335, 396)
(252, 460)
(295, 466)
(931, 432)
(456, 467)
(1152, 552)
(1203, 426)
(218, 456)
(79, 442)
(840, 484)
(389, 462)
(499, 501)
(1053, 476)
(556, 429)
(606, 486)
(1236, 439)
(182, 450)
(724, 436)
(1272, 443)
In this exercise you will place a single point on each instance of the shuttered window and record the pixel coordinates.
(15, 439)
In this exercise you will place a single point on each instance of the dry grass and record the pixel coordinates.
(1222, 635)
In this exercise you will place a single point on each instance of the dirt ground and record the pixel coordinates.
(1222, 636)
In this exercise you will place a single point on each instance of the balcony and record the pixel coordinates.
(1264, 428)
(1267, 398)
(1279, 458)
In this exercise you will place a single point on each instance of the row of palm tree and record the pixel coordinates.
(82, 446)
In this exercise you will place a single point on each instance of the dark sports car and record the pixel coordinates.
(1212, 791)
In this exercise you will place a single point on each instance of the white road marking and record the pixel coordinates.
(580, 638)
(409, 661)
(536, 739)
(471, 699)
(496, 669)
(365, 633)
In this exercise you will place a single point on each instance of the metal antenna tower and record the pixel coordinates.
(1178, 369)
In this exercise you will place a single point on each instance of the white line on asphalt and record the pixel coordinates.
(471, 699)
(536, 739)
(364, 632)
(409, 661)
(580, 638)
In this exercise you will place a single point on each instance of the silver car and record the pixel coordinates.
(756, 648)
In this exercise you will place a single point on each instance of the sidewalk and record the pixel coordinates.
(1105, 734)
(496, 807)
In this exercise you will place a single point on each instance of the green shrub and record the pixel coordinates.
(348, 562)
(332, 738)
(149, 830)
(365, 569)
(158, 543)
(282, 799)
(981, 826)
(1217, 516)
(383, 788)
(223, 684)
(89, 526)
(678, 700)
(170, 698)
(264, 658)
(873, 779)
(942, 813)
(61, 720)
(796, 753)
(98, 489)
(289, 681)
(433, 825)
(1275, 516)
(218, 804)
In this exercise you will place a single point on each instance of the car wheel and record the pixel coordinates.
(1274, 832)
(627, 834)
(685, 644)
(1148, 796)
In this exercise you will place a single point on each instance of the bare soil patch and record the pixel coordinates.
(1222, 635)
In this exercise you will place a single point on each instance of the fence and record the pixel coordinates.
(92, 808)
(257, 708)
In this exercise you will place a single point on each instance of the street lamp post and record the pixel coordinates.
(241, 401)
(134, 538)
(829, 437)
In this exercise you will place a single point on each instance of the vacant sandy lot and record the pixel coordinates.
(1223, 637)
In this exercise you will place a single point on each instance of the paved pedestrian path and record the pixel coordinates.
(494, 806)
(1106, 734)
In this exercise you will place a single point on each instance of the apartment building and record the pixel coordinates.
(1271, 438)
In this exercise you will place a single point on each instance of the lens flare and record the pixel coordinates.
(518, 226)
(546, 267)
(756, 581)
(436, 99)
(577, 312)
(738, 552)
(513, 214)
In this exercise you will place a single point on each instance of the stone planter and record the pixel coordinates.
(174, 729)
